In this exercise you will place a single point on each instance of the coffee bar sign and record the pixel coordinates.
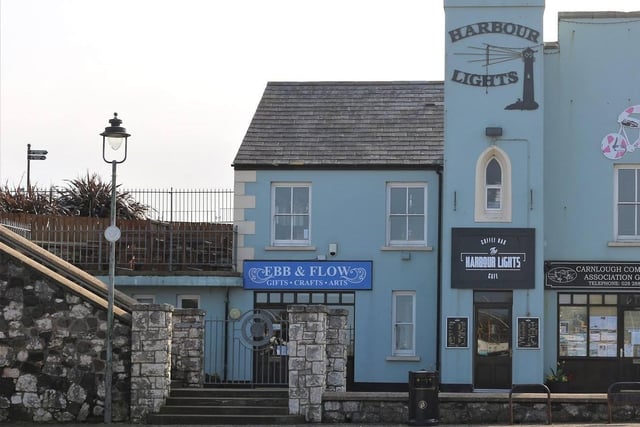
(493, 258)
(307, 275)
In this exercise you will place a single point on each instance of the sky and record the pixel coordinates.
(186, 76)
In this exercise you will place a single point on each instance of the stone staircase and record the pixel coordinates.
(239, 406)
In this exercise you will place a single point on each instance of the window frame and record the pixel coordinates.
(407, 215)
(290, 242)
(139, 297)
(181, 297)
(616, 205)
(590, 302)
(482, 212)
(394, 323)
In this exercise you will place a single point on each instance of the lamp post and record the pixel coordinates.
(114, 136)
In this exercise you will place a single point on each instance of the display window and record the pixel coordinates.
(588, 325)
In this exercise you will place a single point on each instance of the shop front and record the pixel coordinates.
(493, 264)
(278, 284)
(598, 318)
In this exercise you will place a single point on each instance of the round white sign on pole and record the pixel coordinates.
(112, 233)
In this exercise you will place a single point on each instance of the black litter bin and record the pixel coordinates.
(424, 409)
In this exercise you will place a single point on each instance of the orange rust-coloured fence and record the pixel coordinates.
(145, 245)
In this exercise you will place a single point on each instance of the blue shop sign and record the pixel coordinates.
(307, 275)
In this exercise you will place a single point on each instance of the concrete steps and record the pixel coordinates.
(234, 406)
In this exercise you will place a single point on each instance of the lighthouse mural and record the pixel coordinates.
(490, 55)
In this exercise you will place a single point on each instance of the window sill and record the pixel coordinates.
(407, 248)
(624, 244)
(403, 358)
(290, 248)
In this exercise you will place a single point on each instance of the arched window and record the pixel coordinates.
(493, 186)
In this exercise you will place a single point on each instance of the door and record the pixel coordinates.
(492, 360)
(629, 351)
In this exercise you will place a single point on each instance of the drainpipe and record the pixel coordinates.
(439, 271)
(225, 335)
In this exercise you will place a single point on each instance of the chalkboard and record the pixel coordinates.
(457, 332)
(528, 332)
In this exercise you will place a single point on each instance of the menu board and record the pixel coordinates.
(457, 332)
(528, 332)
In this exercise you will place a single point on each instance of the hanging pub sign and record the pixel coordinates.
(493, 258)
(307, 275)
(592, 275)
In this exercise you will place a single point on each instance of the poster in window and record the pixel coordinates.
(457, 332)
(528, 332)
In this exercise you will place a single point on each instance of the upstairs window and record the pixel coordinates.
(493, 186)
(628, 203)
(406, 214)
(291, 206)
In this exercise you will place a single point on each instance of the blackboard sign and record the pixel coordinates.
(457, 332)
(528, 332)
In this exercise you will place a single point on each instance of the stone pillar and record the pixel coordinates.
(151, 334)
(337, 343)
(187, 350)
(307, 360)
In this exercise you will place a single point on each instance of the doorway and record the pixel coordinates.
(492, 345)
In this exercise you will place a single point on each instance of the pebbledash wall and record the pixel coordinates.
(52, 352)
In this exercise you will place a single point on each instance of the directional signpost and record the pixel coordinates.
(33, 155)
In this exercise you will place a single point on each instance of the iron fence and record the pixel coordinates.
(183, 205)
(172, 204)
(144, 245)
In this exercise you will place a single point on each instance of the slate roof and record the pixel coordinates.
(346, 124)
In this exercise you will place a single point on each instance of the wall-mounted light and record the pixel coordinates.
(493, 131)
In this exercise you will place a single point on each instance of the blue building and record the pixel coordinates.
(495, 215)
(341, 183)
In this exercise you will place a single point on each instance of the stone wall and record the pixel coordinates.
(187, 350)
(473, 408)
(52, 351)
(318, 340)
(152, 328)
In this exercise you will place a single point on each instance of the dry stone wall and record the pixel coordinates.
(52, 352)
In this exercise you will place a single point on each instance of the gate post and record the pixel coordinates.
(307, 360)
(151, 334)
(187, 349)
(337, 343)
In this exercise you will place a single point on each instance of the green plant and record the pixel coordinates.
(90, 196)
(18, 200)
(559, 375)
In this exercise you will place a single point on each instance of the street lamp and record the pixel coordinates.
(114, 136)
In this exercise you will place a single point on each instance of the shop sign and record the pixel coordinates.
(488, 57)
(592, 275)
(493, 258)
(307, 275)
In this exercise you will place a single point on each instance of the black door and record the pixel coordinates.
(629, 349)
(492, 353)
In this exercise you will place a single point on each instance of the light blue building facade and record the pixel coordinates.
(487, 226)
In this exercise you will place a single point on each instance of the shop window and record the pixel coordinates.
(403, 323)
(627, 218)
(188, 301)
(493, 186)
(291, 214)
(588, 327)
(406, 214)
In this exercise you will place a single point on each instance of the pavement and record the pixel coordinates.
(602, 424)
